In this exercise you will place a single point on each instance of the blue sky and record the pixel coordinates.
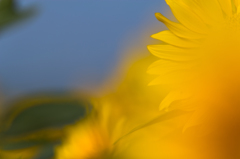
(71, 42)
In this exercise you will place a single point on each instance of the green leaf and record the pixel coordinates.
(35, 114)
(9, 13)
(18, 145)
(47, 152)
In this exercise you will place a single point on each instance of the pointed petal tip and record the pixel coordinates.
(154, 36)
(151, 51)
(163, 107)
(152, 83)
(150, 47)
(160, 17)
(167, 1)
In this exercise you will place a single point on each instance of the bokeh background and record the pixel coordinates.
(69, 44)
(57, 56)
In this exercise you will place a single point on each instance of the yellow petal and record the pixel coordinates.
(238, 9)
(237, 2)
(195, 119)
(168, 37)
(186, 17)
(213, 10)
(178, 29)
(226, 6)
(173, 78)
(196, 8)
(162, 67)
(169, 52)
(171, 97)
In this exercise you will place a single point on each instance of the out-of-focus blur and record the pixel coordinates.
(72, 44)
(78, 80)
(65, 63)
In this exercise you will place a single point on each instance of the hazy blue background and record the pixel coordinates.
(71, 43)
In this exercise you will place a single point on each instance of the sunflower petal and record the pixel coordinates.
(168, 37)
(186, 17)
(237, 2)
(177, 29)
(177, 77)
(171, 97)
(198, 10)
(226, 7)
(195, 119)
(162, 67)
(213, 10)
(170, 52)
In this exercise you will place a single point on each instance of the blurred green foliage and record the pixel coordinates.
(45, 113)
(39, 122)
(9, 13)
(35, 122)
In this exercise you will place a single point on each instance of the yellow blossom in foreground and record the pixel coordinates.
(89, 139)
(199, 60)
(105, 132)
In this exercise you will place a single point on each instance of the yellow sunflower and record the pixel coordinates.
(199, 60)
(199, 54)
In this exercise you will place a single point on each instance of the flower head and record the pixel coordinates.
(88, 139)
(199, 59)
(200, 53)
(102, 135)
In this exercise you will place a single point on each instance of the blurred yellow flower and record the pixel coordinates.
(89, 139)
(115, 115)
